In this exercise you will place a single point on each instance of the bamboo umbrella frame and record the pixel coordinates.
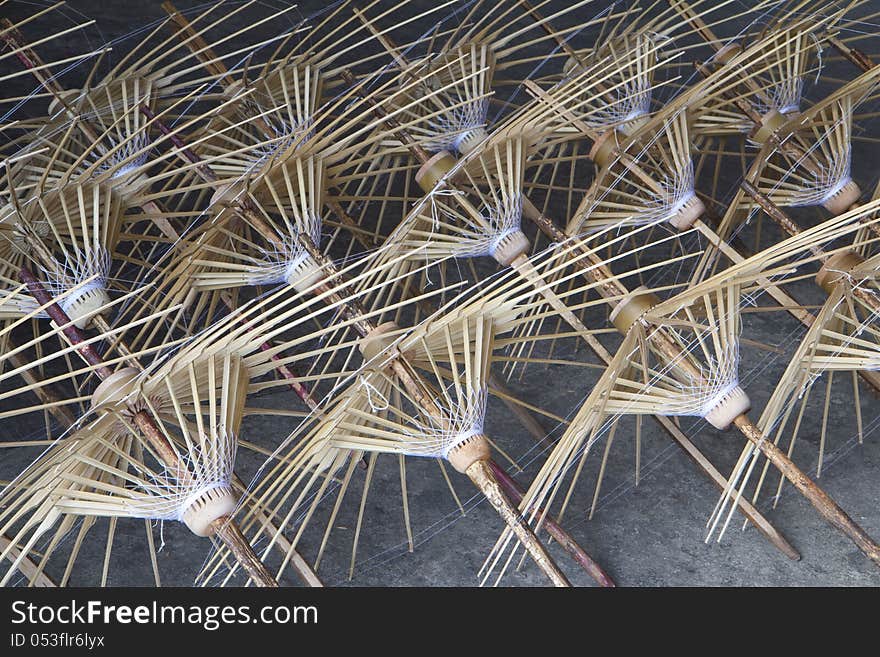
(830, 115)
(721, 246)
(125, 132)
(148, 427)
(478, 471)
(211, 61)
(568, 541)
(283, 363)
(482, 146)
(766, 108)
(245, 210)
(138, 114)
(842, 340)
(834, 343)
(845, 277)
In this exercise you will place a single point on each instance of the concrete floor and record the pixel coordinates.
(650, 535)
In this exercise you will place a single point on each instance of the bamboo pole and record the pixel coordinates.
(482, 474)
(515, 493)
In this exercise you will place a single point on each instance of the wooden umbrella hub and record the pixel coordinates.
(632, 308)
(770, 126)
(726, 53)
(843, 198)
(82, 305)
(470, 139)
(728, 406)
(116, 388)
(378, 340)
(510, 246)
(434, 169)
(467, 452)
(604, 149)
(202, 510)
(303, 273)
(836, 268)
(686, 213)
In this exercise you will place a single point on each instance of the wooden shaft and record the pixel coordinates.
(854, 55)
(609, 285)
(160, 444)
(515, 494)
(820, 500)
(196, 43)
(185, 152)
(746, 508)
(230, 535)
(480, 472)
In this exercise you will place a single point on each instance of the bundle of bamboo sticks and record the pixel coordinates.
(304, 279)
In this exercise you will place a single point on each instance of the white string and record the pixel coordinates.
(371, 391)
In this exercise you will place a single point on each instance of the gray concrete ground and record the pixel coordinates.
(649, 535)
